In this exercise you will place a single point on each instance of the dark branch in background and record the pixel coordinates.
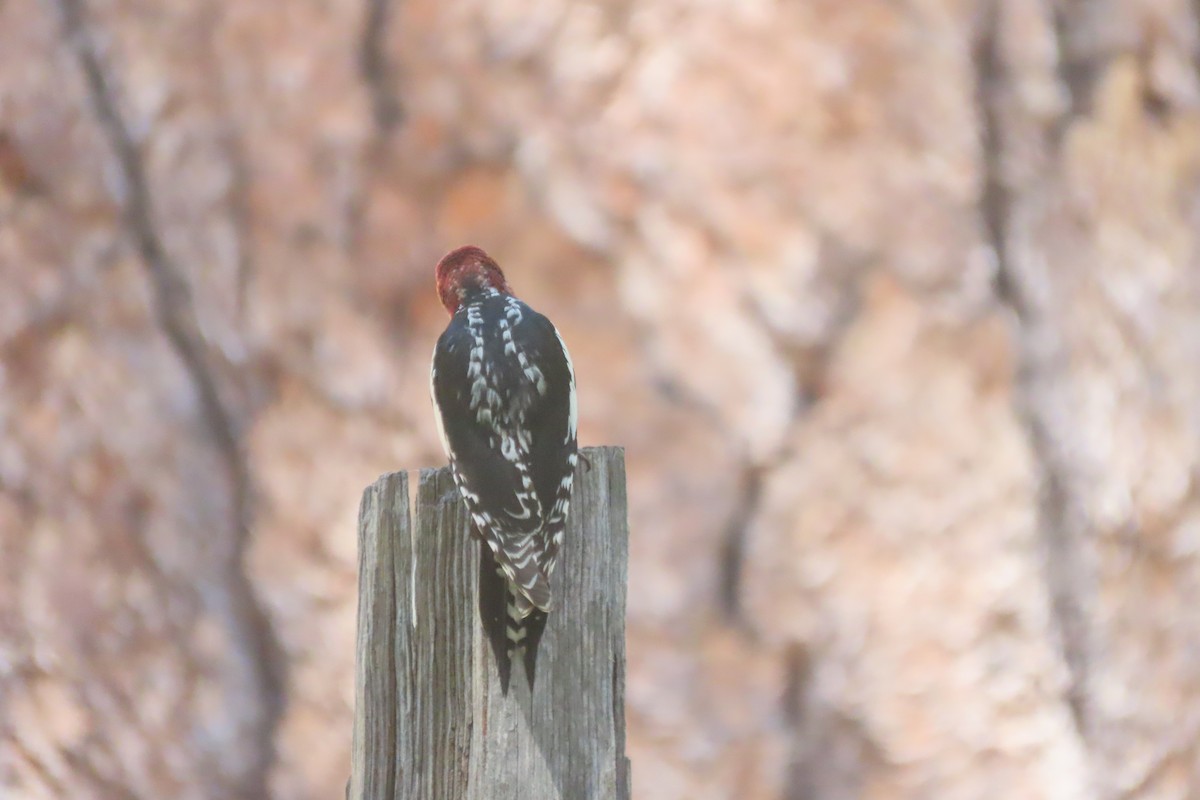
(794, 705)
(239, 213)
(731, 553)
(995, 202)
(375, 68)
(250, 627)
(43, 771)
(15, 171)
(1196, 43)
(831, 751)
(809, 364)
(83, 763)
(1063, 527)
(238, 208)
(1077, 75)
(733, 545)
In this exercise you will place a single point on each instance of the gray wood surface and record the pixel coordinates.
(383, 534)
(430, 721)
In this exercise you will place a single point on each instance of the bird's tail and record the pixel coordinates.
(523, 630)
(513, 624)
(516, 558)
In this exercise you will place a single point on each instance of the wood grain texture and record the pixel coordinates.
(455, 735)
(383, 541)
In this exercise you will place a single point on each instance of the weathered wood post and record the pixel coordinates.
(430, 721)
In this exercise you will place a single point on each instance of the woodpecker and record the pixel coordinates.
(503, 390)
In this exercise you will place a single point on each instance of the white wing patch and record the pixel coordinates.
(556, 524)
(437, 411)
(573, 418)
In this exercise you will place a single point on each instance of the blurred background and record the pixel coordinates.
(894, 305)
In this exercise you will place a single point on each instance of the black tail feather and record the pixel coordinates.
(507, 634)
(535, 626)
(493, 611)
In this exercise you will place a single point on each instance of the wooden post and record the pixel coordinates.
(430, 720)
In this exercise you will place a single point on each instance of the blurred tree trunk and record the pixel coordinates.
(896, 307)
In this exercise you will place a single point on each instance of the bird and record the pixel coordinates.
(504, 398)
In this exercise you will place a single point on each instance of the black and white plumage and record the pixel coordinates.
(503, 391)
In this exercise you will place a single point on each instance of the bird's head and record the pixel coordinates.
(466, 269)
